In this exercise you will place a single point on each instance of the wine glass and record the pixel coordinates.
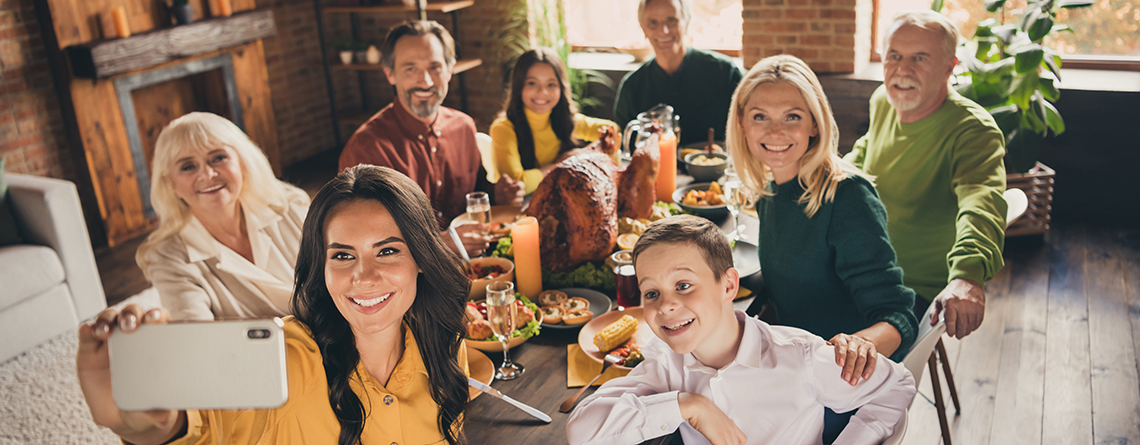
(735, 196)
(501, 313)
(479, 210)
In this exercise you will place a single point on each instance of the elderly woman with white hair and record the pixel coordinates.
(228, 230)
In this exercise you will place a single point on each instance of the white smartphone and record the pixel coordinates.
(200, 365)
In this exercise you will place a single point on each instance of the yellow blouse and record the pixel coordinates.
(504, 144)
(401, 413)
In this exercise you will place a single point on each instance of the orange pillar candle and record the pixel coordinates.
(667, 175)
(528, 265)
(120, 23)
(221, 8)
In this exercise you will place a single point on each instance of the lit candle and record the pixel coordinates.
(221, 8)
(667, 174)
(528, 265)
(119, 21)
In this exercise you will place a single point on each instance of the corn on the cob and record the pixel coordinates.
(616, 333)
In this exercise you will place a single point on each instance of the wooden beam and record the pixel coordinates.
(107, 58)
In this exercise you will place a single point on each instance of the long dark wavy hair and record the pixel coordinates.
(561, 118)
(435, 317)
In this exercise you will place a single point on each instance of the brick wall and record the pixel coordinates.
(31, 126)
(832, 36)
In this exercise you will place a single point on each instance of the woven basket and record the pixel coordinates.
(1038, 187)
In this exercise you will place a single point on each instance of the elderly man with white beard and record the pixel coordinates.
(937, 159)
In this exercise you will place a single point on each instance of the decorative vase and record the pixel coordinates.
(1037, 184)
(183, 14)
(345, 57)
(372, 55)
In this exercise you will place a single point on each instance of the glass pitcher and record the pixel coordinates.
(661, 115)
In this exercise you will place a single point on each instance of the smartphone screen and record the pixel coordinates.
(200, 365)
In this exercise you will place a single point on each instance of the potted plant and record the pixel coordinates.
(1017, 79)
(182, 12)
(343, 49)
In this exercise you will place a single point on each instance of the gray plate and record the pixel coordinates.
(599, 304)
(745, 258)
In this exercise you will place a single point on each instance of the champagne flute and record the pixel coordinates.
(479, 210)
(735, 196)
(501, 310)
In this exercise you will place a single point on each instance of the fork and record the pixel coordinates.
(611, 359)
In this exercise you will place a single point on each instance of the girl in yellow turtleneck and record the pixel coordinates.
(540, 126)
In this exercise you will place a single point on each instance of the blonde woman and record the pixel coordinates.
(228, 231)
(827, 261)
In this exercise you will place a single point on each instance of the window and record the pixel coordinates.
(1109, 29)
(716, 24)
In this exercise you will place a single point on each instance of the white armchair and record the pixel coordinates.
(50, 283)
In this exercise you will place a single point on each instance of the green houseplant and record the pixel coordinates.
(1011, 73)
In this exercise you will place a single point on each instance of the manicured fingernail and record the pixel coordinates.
(129, 322)
(102, 329)
(153, 315)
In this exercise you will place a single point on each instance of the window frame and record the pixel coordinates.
(1073, 61)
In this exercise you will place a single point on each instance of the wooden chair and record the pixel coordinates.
(922, 354)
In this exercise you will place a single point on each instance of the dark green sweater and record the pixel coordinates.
(835, 272)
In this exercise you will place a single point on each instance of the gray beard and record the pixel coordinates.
(422, 110)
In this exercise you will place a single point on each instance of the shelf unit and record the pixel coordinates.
(363, 70)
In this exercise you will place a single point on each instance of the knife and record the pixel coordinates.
(494, 392)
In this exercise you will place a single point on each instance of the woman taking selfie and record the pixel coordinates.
(228, 231)
(540, 125)
(374, 352)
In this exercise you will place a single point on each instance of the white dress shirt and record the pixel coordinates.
(775, 391)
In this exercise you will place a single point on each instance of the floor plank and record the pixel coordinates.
(1128, 242)
(1115, 386)
(976, 367)
(1020, 382)
(1067, 399)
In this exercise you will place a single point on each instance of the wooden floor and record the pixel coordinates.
(1055, 361)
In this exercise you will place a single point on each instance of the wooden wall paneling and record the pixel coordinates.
(109, 159)
(252, 80)
(1115, 384)
(1067, 397)
(1020, 382)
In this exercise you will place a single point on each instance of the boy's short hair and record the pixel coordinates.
(693, 230)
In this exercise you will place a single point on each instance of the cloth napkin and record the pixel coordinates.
(580, 368)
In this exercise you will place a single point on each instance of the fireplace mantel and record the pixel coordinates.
(106, 58)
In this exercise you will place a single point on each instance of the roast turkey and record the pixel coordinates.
(579, 202)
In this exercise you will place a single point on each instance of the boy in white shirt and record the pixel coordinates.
(720, 376)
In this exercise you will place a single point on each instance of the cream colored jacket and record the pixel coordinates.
(199, 278)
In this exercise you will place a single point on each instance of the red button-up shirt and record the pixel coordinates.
(442, 158)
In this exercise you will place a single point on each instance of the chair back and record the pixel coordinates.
(483, 141)
(928, 336)
(1016, 204)
(899, 432)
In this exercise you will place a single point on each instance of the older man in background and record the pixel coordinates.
(698, 84)
(417, 136)
(937, 157)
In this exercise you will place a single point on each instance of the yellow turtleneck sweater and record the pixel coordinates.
(505, 145)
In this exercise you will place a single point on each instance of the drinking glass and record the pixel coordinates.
(735, 196)
(479, 209)
(501, 310)
(628, 293)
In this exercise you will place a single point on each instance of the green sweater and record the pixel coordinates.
(834, 272)
(941, 179)
(700, 92)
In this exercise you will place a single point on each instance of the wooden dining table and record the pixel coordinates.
(543, 384)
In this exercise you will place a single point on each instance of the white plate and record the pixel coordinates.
(642, 336)
(599, 304)
(745, 258)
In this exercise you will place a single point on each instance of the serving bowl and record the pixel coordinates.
(710, 212)
(479, 287)
(706, 173)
